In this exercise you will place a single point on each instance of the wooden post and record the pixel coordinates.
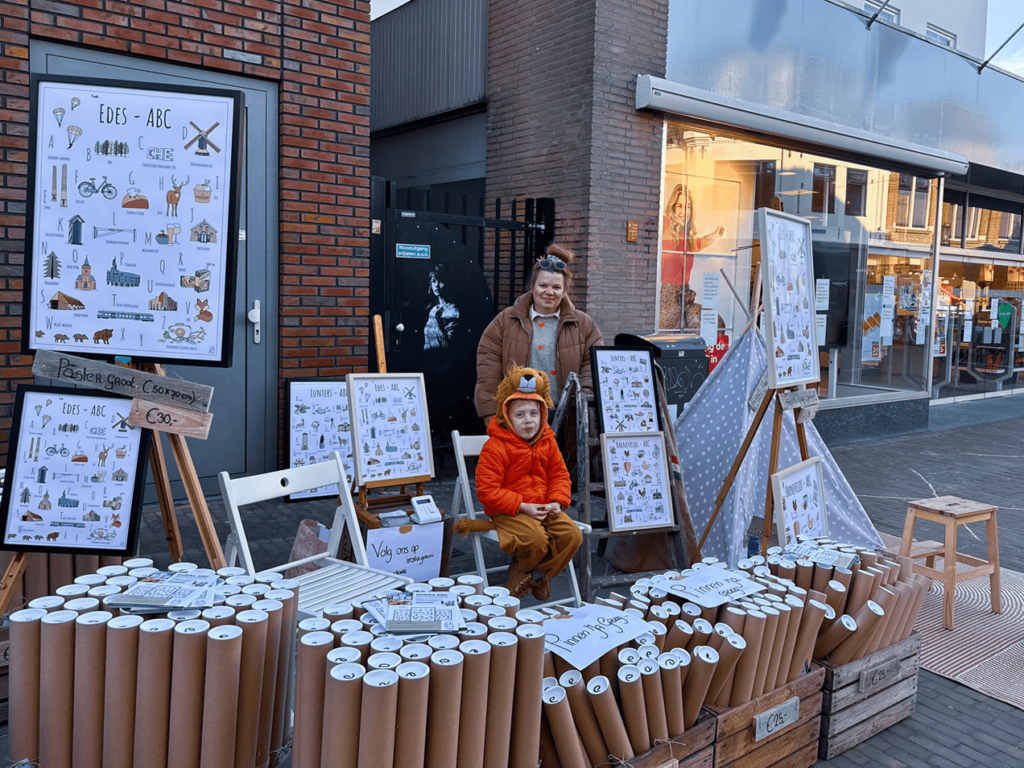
(158, 465)
(10, 578)
(378, 339)
(773, 466)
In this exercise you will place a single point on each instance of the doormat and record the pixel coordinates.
(984, 651)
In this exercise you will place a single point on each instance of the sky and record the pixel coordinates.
(1004, 16)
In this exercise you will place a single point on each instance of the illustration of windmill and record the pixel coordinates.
(121, 422)
(203, 137)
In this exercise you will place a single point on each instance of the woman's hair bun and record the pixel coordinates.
(561, 252)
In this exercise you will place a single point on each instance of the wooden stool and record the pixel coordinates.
(951, 511)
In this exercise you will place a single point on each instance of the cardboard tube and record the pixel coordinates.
(56, 685)
(729, 654)
(746, 669)
(768, 650)
(810, 623)
(23, 731)
(835, 595)
(822, 576)
(705, 660)
(119, 687)
(310, 682)
(787, 569)
(702, 630)
(634, 710)
(609, 665)
(443, 642)
(691, 611)
(527, 707)
(382, 660)
(254, 626)
(613, 729)
(654, 700)
(220, 696)
(923, 585)
(411, 720)
(275, 612)
(377, 718)
(90, 668)
(672, 689)
(360, 640)
(188, 676)
(500, 692)
(473, 708)
(904, 599)
(548, 752)
(867, 619)
(583, 715)
(446, 676)
(343, 696)
(511, 605)
(592, 670)
(778, 649)
(679, 635)
(804, 574)
(474, 581)
(289, 597)
(415, 652)
(860, 592)
(341, 628)
(829, 640)
(563, 729)
(885, 597)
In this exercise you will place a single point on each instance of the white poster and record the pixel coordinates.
(712, 283)
(636, 472)
(886, 325)
(939, 347)
(888, 290)
(800, 501)
(318, 423)
(871, 348)
(820, 326)
(821, 287)
(625, 389)
(132, 222)
(588, 633)
(412, 550)
(709, 326)
(711, 587)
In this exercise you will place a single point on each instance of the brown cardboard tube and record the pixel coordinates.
(188, 676)
(778, 649)
(813, 594)
(275, 612)
(830, 639)
(153, 692)
(56, 685)
(411, 723)
(549, 664)
(822, 576)
(446, 676)
(473, 718)
(705, 660)
(722, 631)
(787, 569)
(563, 729)
(377, 717)
(548, 752)
(37, 580)
(593, 669)
(90, 665)
(702, 630)
(830, 616)
(613, 729)
(691, 611)
(343, 697)
(561, 665)
(654, 700)
(746, 669)
(527, 707)
(860, 592)
(672, 689)
(342, 627)
(709, 615)
(119, 686)
(729, 654)
(634, 711)
(804, 574)
(658, 614)
(254, 624)
(679, 635)
(23, 731)
(923, 585)
(796, 606)
(86, 564)
(867, 619)
(62, 571)
(887, 598)
(906, 568)
(474, 631)
(583, 715)
(382, 660)
(877, 577)
(310, 682)
(360, 640)
(289, 597)
(810, 623)
(904, 599)
(845, 577)
(220, 696)
(500, 692)
(609, 664)
(337, 612)
(835, 595)
(768, 648)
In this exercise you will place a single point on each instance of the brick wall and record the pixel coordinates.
(319, 53)
(561, 124)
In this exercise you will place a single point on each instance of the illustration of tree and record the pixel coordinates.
(26, 497)
(51, 267)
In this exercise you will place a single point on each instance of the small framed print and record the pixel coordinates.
(799, 494)
(75, 473)
(637, 481)
(318, 423)
(625, 389)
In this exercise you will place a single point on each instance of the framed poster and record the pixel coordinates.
(318, 423)
(638, 483)
(390, 428)
(625, 389)
(787, 273)
(75, 473)
(799, 494)
(133, 210)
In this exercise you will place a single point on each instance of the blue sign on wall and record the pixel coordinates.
(412, 251)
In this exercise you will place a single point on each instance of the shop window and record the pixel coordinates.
(889, 13)
(940, 36)
(912, 202)
(973, 222)
(856, 192)
(824, 199)
(764, 183)
(1009, 226)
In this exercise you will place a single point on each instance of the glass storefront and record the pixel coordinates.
(873, 233)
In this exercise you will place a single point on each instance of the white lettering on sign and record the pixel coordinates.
(711, 587)
(880, 676)
(777, 718)
(589, 633)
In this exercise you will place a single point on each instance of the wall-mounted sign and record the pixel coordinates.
(405, 251)
(132, 209)
(318, 423)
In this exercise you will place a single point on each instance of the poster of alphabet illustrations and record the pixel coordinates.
(318, 423)
(75, 473)
(626, 391)
(134, 218)
(636, 470)
(390, 428)
(799, 494)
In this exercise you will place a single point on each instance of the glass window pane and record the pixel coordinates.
(856, 192)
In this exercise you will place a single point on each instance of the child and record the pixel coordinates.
(523, 484)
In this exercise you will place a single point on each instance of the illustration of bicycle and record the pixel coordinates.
(89, 188)
(53, 450)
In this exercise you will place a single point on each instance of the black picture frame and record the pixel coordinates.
(601, 398)
(11, 484)
(227, 314)
(332, 381)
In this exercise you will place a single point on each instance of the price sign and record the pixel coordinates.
(772, 721)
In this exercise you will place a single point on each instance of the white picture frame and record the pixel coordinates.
(389, 418)
(787, 277)
(319, 423)
(637, 479)
(799, 496)
(625, 389)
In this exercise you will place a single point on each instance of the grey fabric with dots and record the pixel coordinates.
(709, 434)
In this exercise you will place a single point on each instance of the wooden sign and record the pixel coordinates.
(798, 398)
(169, 418)
(773, 720)
(880, 676)
(119, 380)
(759, 392)
(803, 415)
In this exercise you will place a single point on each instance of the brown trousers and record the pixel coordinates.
(546, 546)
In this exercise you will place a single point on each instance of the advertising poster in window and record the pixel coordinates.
(133, 218)
(318, 424)
(871, 327)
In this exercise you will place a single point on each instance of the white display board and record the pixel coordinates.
(800, 501)
(637, 481)
(133, 220)
(75, 473)
(411, 550)
(318, 423)
(588, 633)
(390, 428)
(787, 272)
(625, 388)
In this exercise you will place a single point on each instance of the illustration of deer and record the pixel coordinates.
(103, 456)
(173, 196)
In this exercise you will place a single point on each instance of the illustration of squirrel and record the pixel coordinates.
(204, 315)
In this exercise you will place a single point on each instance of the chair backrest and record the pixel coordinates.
(468, 445)
(241, 491)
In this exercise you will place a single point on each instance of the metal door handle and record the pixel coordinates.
(254, 318)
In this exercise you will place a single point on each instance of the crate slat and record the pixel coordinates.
(787, 750)
(732, 720)
(737, 745)
(803, 758)
(849, 717)
(831, 746)
(840, 677)
(689, 744)
(836, 701)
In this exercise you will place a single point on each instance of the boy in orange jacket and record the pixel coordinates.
(522, 481)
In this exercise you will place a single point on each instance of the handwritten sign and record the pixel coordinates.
(589, 633)
(773, 720)
(799, 398)
(759, 392)
(711, 587)
(169, 418)
(412, 550)
(119, 380)
(880, 676)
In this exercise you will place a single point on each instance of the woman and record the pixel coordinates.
(443, 316)
(679, 241)
(541, 330)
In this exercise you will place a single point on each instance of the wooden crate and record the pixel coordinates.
(693, 749)
(868, 695)
(795, 745)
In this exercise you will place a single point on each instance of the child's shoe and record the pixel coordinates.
(542, 588)
(519, 582)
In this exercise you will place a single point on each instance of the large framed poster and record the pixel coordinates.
(799, 494)
(75, 473)
(638, 483)
(133, 211)
(787, 274)
(390, 428)
(625, 389)
(318, 423)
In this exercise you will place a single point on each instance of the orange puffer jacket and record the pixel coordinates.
(511, 472)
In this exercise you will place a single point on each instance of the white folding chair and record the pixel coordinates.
(335, 581)
(471, 445)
